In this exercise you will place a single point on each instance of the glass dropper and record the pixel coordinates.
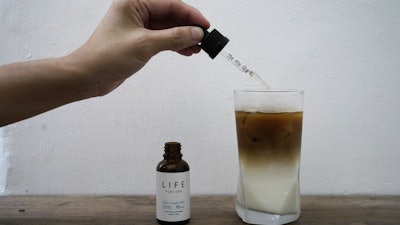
(243, 68)
(214, 42)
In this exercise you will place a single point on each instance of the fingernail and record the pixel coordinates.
(197, 34)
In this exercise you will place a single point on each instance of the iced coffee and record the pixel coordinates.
(269, 142)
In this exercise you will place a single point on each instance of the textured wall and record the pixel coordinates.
(344, 54)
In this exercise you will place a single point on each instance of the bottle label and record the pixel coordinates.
(173, 196)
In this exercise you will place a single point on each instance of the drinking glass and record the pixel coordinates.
(269, 128)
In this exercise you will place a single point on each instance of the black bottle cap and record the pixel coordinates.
(213, 42)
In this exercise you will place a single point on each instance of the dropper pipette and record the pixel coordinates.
(214, 42)
(243, 68)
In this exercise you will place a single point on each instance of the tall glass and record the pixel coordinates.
(269, 127)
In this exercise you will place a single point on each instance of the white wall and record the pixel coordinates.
(344, 54)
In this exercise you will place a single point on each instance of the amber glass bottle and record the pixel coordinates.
(173, 187)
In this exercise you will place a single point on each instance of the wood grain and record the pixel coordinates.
(219, 209)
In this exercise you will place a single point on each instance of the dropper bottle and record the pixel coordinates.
(173, 187)
(214, 42)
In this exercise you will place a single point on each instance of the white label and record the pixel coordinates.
(173, 196)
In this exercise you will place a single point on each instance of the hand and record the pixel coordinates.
(132, 32)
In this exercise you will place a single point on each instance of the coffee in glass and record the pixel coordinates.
(269, 128)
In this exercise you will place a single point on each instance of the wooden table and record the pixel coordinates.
(118, 210)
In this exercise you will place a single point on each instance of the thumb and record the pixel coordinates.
(176, 38)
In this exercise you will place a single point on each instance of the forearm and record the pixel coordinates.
(34, 87)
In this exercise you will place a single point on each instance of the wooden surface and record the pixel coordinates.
(118, 210)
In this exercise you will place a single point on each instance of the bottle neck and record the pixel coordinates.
(172, 151)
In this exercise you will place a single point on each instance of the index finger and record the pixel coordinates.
(176, 12)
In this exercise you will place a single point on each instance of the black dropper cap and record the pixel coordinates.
(213, 42)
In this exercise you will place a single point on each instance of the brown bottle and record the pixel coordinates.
(173, 187)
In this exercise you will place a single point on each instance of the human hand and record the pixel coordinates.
(131, 33)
